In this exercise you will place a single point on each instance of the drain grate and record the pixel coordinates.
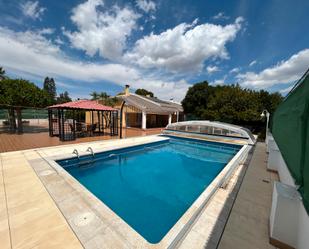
(83, 219)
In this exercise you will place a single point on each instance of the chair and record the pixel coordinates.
(80, 131)
(91, 129)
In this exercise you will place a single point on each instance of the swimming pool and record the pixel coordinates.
(151, 186)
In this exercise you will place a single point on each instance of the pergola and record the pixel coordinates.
(82, 118)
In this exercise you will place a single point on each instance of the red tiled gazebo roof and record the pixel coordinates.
(84, 105)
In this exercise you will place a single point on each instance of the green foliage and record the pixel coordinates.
(2, 74)
(94, 95)
(19, 92)
(103, 98)
(63, 98)
(144, 92)
(2, 71)
(50, 87)
(231, 104)
(196, 98)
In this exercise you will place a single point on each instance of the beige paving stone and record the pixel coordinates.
(35, 221)
(247, 226)
(193, 240)
(230, 241)
(218, 210)
(4, 233)
(4, 223)
(252, 209)
(210, 228)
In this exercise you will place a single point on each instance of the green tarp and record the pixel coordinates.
(290, 128)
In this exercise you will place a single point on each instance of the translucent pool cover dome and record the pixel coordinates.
(211, 128)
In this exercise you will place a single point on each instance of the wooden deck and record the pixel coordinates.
(14, 142)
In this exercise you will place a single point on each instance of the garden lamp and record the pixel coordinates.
(266, 114)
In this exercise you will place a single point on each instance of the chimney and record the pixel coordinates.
(127, 90)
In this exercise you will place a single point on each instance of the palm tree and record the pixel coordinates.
(94, 95)
(103, 96)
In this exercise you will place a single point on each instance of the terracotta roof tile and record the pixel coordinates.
(83, 104)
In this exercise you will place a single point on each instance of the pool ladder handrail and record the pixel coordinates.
(90, 150)
(75, 151)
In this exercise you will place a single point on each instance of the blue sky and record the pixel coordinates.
(163, 46)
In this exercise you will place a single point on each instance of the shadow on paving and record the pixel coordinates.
(218, 229)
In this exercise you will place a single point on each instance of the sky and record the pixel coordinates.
(162, 46)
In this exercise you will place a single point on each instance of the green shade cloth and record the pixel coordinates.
(290, 128)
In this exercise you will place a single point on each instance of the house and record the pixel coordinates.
(147, 112)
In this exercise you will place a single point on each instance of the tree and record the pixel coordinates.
(144, 92)
(2, 74)
(63, 98)
(50, 87)
(232, 104)
(94, 95)
(104, 98)
(196, 98)
(19, 93)
(229, 103)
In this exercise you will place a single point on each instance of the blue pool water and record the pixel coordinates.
(151, 186)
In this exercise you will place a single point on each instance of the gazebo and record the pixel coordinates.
(82, 118)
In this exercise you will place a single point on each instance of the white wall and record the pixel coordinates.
(302, 236)
(303, 228)
(284, 173)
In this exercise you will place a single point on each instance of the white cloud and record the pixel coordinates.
(32, 9)
(220, 16)
(185, 47)
(235, 70)
(219, 81)
(59, 41)
(105, 32)
(46, 31)
(33, 55)
(212, 69)
(286, 90)
(284, 72)
(145, 5)
(252, 63)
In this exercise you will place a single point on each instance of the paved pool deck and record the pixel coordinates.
(25, 141)
(248, 223)
(236, 217)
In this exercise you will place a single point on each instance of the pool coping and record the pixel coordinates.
(129, 237)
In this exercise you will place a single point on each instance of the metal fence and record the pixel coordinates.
(33, 120)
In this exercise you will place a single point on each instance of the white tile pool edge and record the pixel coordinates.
(125, 231)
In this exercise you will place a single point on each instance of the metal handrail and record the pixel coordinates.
(90, 150)
(76, 153)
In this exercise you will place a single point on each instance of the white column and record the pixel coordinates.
(144, 119)
(177, 117)
(169, 118)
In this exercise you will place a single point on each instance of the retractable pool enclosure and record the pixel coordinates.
(211, 128)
